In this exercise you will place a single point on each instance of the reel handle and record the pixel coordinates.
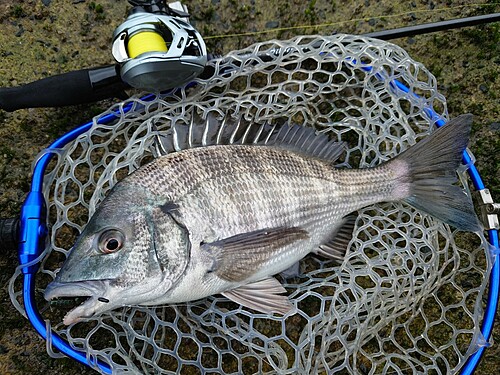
(76, 87)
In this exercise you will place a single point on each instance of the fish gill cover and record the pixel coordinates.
(406, 298)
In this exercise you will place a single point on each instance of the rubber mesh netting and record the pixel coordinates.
(406, 299)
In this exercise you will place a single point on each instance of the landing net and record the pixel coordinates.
(406, 299)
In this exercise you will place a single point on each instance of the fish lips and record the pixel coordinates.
(95, 289)
(75, 289)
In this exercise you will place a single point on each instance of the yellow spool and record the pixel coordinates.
(145, 41)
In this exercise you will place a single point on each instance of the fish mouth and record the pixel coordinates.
(95, 289)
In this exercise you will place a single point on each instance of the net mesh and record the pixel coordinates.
(406, 299)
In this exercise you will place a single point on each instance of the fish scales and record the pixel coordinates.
(237, 188)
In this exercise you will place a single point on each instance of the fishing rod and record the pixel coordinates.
(427, 28)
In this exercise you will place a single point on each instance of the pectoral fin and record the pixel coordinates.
(263, 296)
(238, 257)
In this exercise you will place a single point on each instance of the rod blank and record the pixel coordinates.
(433, 27)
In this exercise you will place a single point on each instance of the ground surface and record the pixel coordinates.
(42, 38)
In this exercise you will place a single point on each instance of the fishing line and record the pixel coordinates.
(354, 20)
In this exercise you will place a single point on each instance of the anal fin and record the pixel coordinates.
(264, 296)
(336, 248)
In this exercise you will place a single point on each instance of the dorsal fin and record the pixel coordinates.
(306, 141)
(212, 131)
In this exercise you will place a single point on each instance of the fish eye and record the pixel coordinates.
(111, 241)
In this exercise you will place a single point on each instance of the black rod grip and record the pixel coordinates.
(9, 234)
(76, 87)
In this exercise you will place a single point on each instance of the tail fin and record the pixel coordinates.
(427, 172)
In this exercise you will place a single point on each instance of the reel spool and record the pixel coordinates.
(158, 51)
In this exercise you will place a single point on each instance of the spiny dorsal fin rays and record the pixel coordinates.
(160, 140)
(219, 139)
(212, 131)
(307, 141)
(191, 128)
(266, 141)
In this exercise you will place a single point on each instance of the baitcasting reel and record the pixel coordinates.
(156, 49)
(156, 46)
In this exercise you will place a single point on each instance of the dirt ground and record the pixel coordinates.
(40, 38)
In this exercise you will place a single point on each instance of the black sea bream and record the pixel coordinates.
(226, 218)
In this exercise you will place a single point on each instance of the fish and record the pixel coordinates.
(227, 218)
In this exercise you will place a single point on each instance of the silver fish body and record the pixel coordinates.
(224, 191)
(226, 218)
